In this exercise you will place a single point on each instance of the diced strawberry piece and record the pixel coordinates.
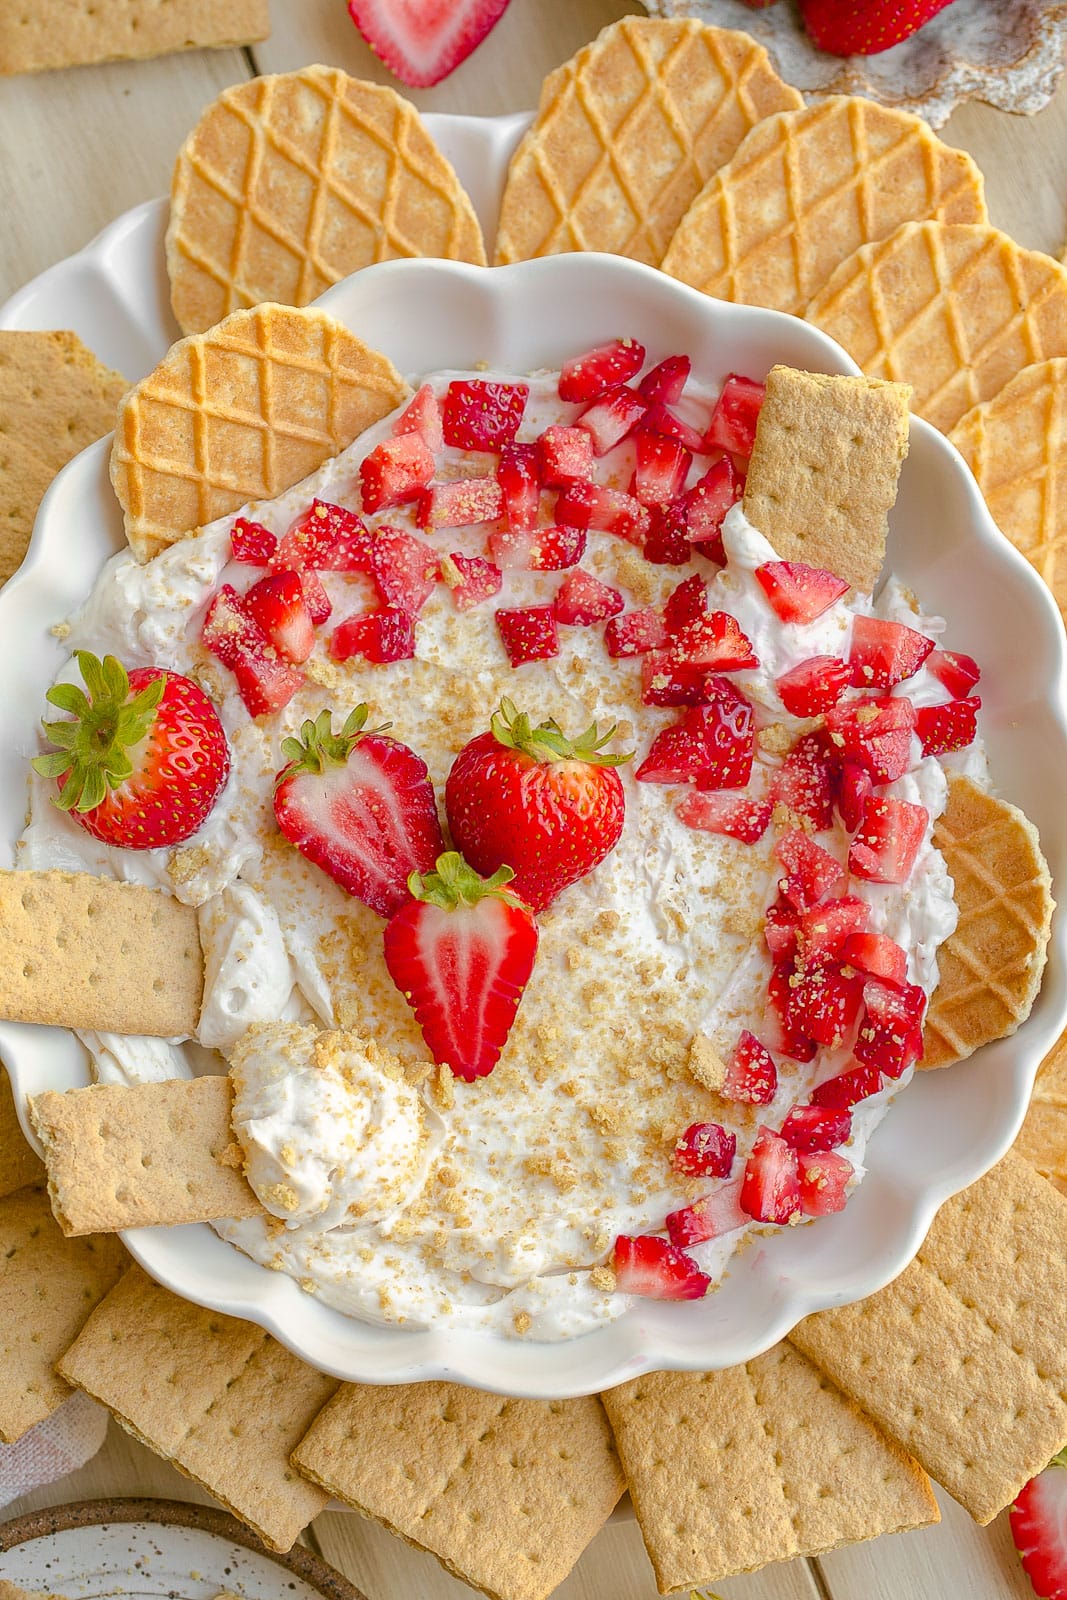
(848, 1088)
(809, 1128)
(813, 686)
(588, 376)
(528, 633)
(687, 602)
(668, 682)
(711, 811)
(266, 683)
(707, 503)
(958, 673)
(854, 787)
(705, 1150)
(566, 456)
(324, 538)
(711, 746)
(824, 931)
(811, 871)
(799, 593)
(708, 1218)
(667, 380)
(635, 632)
(590, 505)
(824, 1176)
(582, 599)
(751, 1075)
(661, 469)
(1039, 1529)
(395, 471)
(478, 415)
(714, 640)
(873, 734)
(825, 1003)
(251, 543)
(518, 475)
(885, 653)
(277, 604)
(770, 1190)
(471, 579)
(805, 782)
(537, 549)
(894, 1005)
(660, 1271)
(423, 416)
(787, 1040)
(612, 418)
(889, 1052)
(460, 503)
(733, 422)
(877, 954)
(660, 419)
(781, 929)
(884, 849)
(403, 568)
(667, 543)
(942, 729)
(380, 636)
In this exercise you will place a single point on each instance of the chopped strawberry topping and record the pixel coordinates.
(889, 1053)
(588, 376)
(811, 871)
(708, 1218)
(751, 1075)
(894, 1005)
(805, 782)
(635, 632)
(854, 786)
(885, 653)
(877, 954)
(781, 929)
(942, 729)
(265, 681)
(403, 568)
(277, 604)
(667, 542)
(566, 455)
(582, 599)
(612, 418)
(537, 549)
(874, 734)
(660, 419)
(733, 422)
(471, 579)
(380, 636)
(589, 505)
(478, 415)
(789, 1040)
(667, 380)
(711, 811)
(799, 593)
(848, 1088)
(395, 471)
(770, 1190)
(528, 633)
(520, 485)
(706, 505)
(711, 746)
(668, 682)
(324, 538)
(714, 640)
(651, 1267)
(251, 543)
(825, 1003)
(813, 686)
(884, 849)
(704, 1150)
(817, 1127)
(824, 931)
(958, 673)
(661, 469)
(824, 1176)
(460, 503)
(423, 416)
(687, 602)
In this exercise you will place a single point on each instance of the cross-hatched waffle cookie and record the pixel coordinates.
(955, 311)
(806, 189)
(628, 132)
(241, 413)
(292, 181)
(990, 968)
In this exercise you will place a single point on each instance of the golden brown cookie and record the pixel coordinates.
(40, 34)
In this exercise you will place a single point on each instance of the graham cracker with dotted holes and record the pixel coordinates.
(19, 1163)
(39, 34)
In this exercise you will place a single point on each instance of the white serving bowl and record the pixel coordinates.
(946, 1129)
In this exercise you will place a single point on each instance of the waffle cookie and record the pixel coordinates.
(955, 311)
(627, 133)
(806, 189)
(241, 413)
(292, 181)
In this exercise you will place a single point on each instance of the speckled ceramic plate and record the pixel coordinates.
(157, 1548)
(1010, 53)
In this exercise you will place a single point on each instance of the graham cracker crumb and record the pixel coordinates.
(603, 1278)
(705, 1064)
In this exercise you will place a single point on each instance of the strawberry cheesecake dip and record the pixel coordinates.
(564, 858)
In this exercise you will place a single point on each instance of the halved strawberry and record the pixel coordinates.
(809, 1128)
(751, 1075)
(251, 543)
(706, 505)
(635, 632)
(661, 419)
(423, 43)
(854, 787)
(705, 1150)
(395, 471)
(471, 579)
(721, 812)
(813, 686)
(460, 503)
(873, 734)
(660, 470)
(824, 932)
(733, 422)
(403, 568)
(848, 1088)
(518, 475)
(797, 592)
(811, 871)
(582, 599)
(1039, 1529)
(277, 604)
(566, 455)
(958, 673)
(387, 634)
(461, 952)
(612, 418)
(843, 28)
(528, 633)
(884, 849)
(265, 681)
(590, 505)
(805, 782)
(770, 1189)
(652, 1267)
(667, 380)
(824, 1177)
(588, 376)
(710, 746)
(423, 416)
(948, 727)
(537, 549)
(708, 1218)
(479, 415)
(876, 954)
(884, 653)
(714, 640)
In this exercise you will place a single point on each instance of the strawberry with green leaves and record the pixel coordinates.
(461, 953)
(140, 757)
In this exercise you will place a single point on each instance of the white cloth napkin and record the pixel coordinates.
(64, 1441)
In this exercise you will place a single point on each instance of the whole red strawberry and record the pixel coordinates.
(141, 756)
(1039, 1529)
(549, 807)
(865, 27)
(461, 952)
(360, 806)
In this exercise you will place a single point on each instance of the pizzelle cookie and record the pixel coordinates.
(626, 134)
(955, 311)
(292, 181)
(805, 189)
(240, 414)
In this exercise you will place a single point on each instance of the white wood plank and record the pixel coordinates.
(1025, 164)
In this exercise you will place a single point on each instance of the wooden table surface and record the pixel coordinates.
(81, 146)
